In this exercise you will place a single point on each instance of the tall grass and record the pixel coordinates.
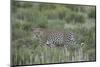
(44, 54)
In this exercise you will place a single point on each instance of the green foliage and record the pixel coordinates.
(56, 25)
(92, 13)
(42, 22)
(75, 17)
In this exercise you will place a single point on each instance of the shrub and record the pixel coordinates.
(75, 17)
(92, 13)
(42, 22)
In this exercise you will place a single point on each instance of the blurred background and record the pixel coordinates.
(77, 18)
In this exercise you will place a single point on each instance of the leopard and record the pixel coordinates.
(53, 38)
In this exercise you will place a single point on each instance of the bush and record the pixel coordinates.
(42, 22)
(75, 17)
(55, 25)
(92, 13)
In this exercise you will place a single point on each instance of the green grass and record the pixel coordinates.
(42, 55)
